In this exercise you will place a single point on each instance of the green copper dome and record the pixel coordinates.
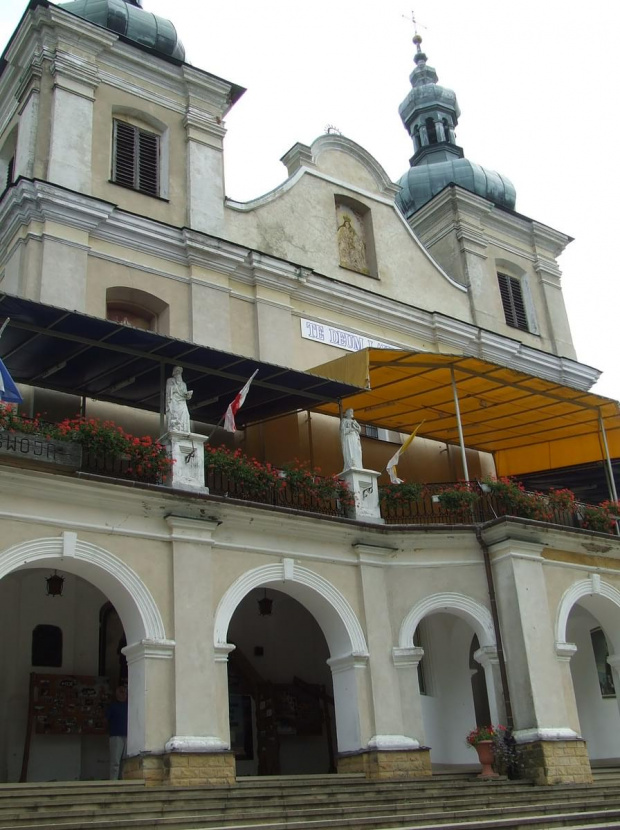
(127, 18)
(420, 184)
(430, 114)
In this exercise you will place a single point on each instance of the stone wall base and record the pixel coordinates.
(388, 764)
(555, 762)
(183, 769)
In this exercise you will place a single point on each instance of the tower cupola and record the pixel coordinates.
(430, 113)
(129, 19)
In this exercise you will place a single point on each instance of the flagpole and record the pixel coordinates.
(4, 325)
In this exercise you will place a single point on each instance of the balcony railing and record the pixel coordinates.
(435, 504)
(279, 495)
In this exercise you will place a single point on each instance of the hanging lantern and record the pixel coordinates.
(54, 585)
(265, 605)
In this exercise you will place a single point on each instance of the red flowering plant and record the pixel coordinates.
(458, 497)
(514, 500)
(248, 477)
(485, 733)
(146, 460)
(308, 481)
(396, 495)
(246, 474)
(12, 421)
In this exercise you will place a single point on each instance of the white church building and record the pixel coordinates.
(265, 632)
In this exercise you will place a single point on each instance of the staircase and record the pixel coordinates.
(451, 801)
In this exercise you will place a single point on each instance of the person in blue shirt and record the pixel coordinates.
(117, 728)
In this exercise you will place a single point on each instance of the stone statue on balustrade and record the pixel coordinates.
(350, 441)
(177, 396)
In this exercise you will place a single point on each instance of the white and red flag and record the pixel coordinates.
(235, 406)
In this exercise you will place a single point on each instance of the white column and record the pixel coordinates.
(488, 659)
(406, 661)
(151, 694)
(70, 154)
(351, 701)
(201, 686)
(564, 653)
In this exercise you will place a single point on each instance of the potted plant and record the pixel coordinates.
(483, 739)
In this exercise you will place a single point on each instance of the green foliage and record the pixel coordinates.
(395, 495)
(458, 498)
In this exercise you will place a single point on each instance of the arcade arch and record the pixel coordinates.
(454, 628)
(94, 576)
(331, 612)
(588, 635)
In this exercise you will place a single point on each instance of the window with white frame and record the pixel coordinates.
(512, 300)
(136, 158)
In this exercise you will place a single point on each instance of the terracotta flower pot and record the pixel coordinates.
(486, 756)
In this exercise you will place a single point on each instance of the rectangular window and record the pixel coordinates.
(136, 158)
(512, 300)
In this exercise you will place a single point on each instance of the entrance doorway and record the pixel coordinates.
(280, 688)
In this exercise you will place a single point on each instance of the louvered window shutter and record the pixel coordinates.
(136, 158)
(512, 301)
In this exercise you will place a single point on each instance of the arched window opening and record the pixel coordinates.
(47, 646)
(422, 679)
(446, 130)
(431, 131)
(112, 661)
(479, 686)
(132, 307)
(513, 302)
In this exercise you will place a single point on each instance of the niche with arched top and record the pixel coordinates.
(133, 307)
(354, 234)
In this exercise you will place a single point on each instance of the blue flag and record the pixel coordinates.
(9, 393)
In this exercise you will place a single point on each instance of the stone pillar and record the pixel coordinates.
(187, 453)
(363, 485)
(551, 750)
(199, 751)
(151, 692)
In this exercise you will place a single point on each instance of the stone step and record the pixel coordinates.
(509, 817)
(185, 816)
(168, 800)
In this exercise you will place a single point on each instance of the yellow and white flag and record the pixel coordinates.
(391, 465)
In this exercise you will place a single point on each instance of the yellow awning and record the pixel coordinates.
(528, 423)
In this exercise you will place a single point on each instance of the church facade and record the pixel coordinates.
(259, 639)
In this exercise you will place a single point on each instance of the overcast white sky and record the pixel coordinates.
(537, 83)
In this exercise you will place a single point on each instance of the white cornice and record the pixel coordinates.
(34, 201)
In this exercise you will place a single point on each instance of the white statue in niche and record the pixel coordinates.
(350, 441)
(351, 240)
(177, 396)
